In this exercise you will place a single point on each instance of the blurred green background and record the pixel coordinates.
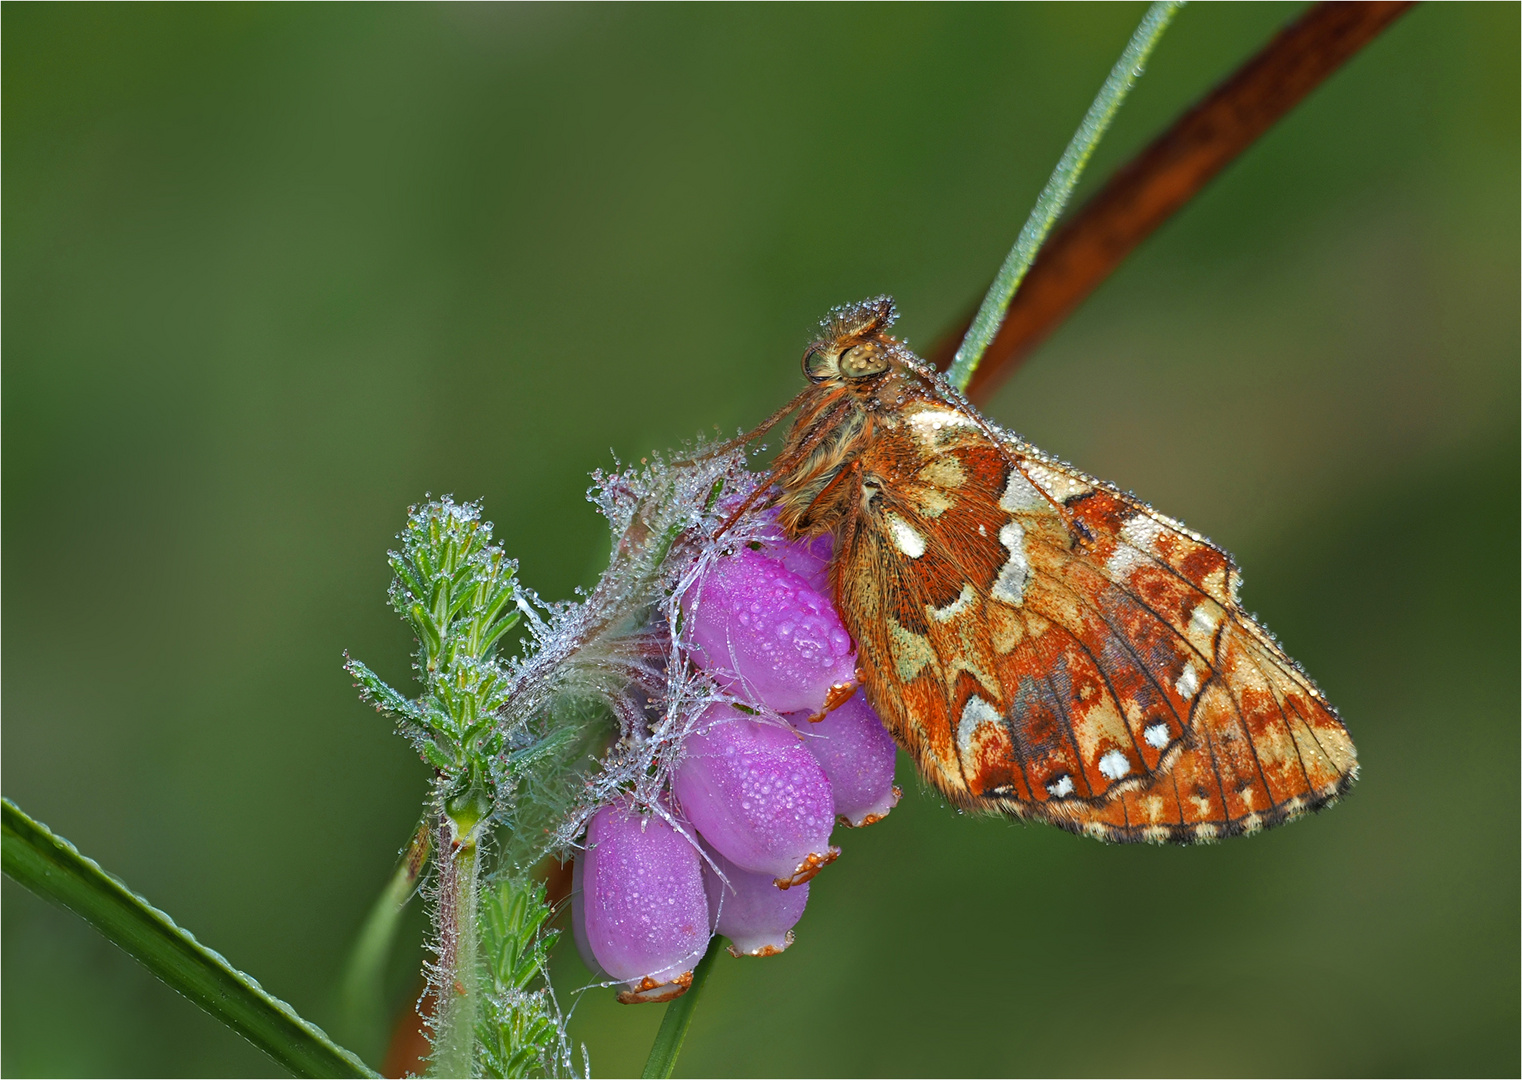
(271, 273)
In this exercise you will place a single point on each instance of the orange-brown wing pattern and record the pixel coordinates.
(1047, 646)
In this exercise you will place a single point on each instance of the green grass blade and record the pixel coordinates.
(53, 868)
(668, 1040)
(1055, 195)
(361, 1019)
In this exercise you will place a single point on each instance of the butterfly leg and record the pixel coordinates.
(838, 695)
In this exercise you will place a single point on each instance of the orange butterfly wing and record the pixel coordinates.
(1047, 646)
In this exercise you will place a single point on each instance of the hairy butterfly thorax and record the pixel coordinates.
(1042, 643)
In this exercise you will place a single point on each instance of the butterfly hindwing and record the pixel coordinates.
(1050, 647)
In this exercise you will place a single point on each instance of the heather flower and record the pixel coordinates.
(644, 907)
(766, 633)
(579, 919)
(756, 916)
(757, 795)
(809, 559)
(858, 755)
(758, 639)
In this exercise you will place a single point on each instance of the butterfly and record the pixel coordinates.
(1043, 644)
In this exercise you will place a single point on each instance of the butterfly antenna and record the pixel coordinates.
(752, 435)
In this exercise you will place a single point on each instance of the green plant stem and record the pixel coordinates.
(678, 1018)
(457, 979)
(361, 1006)
(53, 868)
(1055, 195)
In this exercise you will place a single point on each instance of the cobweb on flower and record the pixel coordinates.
(616, 660)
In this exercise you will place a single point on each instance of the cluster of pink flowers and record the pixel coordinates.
(756, 792)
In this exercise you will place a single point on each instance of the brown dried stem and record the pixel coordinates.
(1161, 180)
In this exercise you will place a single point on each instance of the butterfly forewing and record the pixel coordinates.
(1048, 646)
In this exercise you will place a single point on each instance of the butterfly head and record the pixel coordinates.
(854, 349)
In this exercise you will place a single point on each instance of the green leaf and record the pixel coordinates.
(427, 629)
(668, 1040)
(498, 630)
(410, 584)
(518, 1032)
(51, 867)
(362, 1019)
(375, 691)
(442, 608)
(436, 756)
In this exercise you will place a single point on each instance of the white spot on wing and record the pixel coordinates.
(1205, 619)
(933, 417)
(911, 652)
(929, 423)
(1061, 787)
(974, 714)
(1156, 735)
(1010, 585)
(1114, 765)
(1134, 548)
(943, 471)
(931, 502)
(1059, 485)
(1126, 561)
(1021, 496)
(1188, 683)
(1141, 531)
(905, 538)
(964, 600)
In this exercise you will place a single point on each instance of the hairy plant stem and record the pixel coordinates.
(1055, 195)
(457, 971)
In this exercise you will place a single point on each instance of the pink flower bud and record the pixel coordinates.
(809, 559)
(579, 919)
(766, 634)
(757, 795)
(858, 756)
(646, 917)
(756, 916)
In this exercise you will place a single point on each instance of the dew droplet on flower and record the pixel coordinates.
(634, 934)
(735, 808)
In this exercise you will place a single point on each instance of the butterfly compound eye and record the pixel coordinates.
(819, 365)
(859, 361)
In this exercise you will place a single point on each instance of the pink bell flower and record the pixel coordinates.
(767, 634)
(644, 906)
(858, 755)
(579, 919)
(809, 559)
(756, 916)
(757, 795)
